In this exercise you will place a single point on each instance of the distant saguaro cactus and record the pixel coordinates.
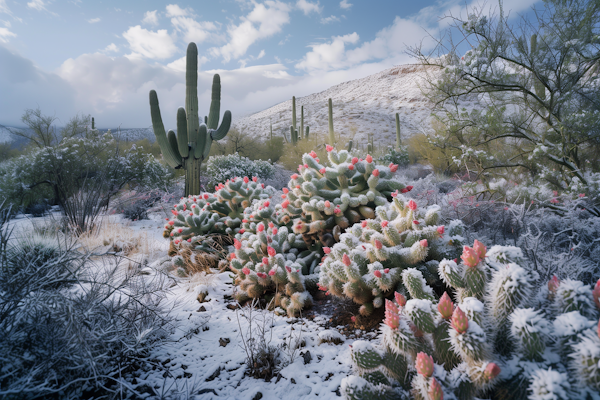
(191, 145)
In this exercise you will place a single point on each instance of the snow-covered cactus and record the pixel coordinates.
(394, 251)
(328, 198)
(271, 261)
(219, 212)
(504, 341)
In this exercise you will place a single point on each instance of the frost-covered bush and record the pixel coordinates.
(223, 168)
(500, 337)
(395, 156)
(69, 329)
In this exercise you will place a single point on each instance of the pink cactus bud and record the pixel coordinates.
(416, 222)
(285, 204)
(305, 165)
(351, 167)
(174, 212)
(297, 186)
(346, 260)
(313, 154)
(327, 204)
(480, 249)
(460, 322)
(386, 270)
(171, 222)
(271, 225)
(232, 256)
(393, 167)
(491, 371)
(375, 172)
(255, 179)
(409, 188)
(288, 269)
(369, 158)
(445, 306)
(337, 211)
(189, 240)
(424, 364)
(272, 272)
(176, 241)
(581, 195)
(377, 273)
(353, 319)
(596, 293)
(412, 205)
(405, 190)
(354, 160)
(246, 271)
(423, 242)
(267, 203)
(329, 148)
(441, 230)
(285, 190)
(322, 171)
(180, 230)
(246, 179)
(400, 299)
(392, 319)
(271, 251)
(326, 250)
(363, 224)
(274, 231)
(295, 176)
(265, 260)
(395, 194)
(237, 244)
(435, 390)
(470, 257)
(553, 284)
(378, 244)
(261, 275)
(260, 227)
(242, 231)
(390, 306)
(384, 224)
(245, 221)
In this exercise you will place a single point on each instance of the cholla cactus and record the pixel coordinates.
(372, 258)
(499, 339)
(270, 260)
(221, 212)
(327, 199)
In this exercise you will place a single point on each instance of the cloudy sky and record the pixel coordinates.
(102, 57)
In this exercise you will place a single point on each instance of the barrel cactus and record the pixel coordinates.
(499, 337)
(191, 145)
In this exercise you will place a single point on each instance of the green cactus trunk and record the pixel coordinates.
(294, 112)
(302, 121)
(331, 133)
(398, 137)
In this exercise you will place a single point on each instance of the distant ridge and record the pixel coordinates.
(361, 106)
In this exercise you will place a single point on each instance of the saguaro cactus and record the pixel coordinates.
(191, 145)
(296, 135)
(398, 138)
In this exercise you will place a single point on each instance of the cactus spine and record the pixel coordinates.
(331, 133)
(398, 137)
(191, 145)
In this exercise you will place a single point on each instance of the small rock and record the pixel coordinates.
(293, 381)
(257, 396)
(232, 306)
(307, 357)
(202, 309)
(203, 391)
(224, 341)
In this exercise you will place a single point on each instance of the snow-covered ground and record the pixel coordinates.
(205, 358)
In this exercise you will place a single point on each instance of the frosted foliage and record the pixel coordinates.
(549, 385)
(221, 168)
(570, 324)
(574, 295)
(509, 288)
(414, 305)
(416, 274)
(528, 320)
(505, 254)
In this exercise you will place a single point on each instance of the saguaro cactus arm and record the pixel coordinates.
(159, 131)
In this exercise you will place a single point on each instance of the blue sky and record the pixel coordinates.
(102, 57)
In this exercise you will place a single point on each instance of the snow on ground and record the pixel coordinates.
(195, 365)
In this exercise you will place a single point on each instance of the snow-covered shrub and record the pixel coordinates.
(499, 337)
(223, 168)
(69, 329)
(395, 156)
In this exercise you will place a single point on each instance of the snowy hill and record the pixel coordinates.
(362, 106)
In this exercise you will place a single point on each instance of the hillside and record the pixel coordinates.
(361, 106)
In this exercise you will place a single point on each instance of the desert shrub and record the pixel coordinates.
(421, 149)
(395, 156)
(69, 328)
(222, 168)
(292, 154)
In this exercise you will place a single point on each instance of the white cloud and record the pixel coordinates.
(93, 20)
(111, 48)
(5, 10)
(345, 5)
(307, 7)
(180, 63)
(150, 44)
(327, 56)
(5, 34)
(150, 18)
(173, 10)
(194, 31)
(327, 20)
(263, 21)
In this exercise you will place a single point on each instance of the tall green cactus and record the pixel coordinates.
(331, 133)
(191, 145)
(296, 135)
(398, 138)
